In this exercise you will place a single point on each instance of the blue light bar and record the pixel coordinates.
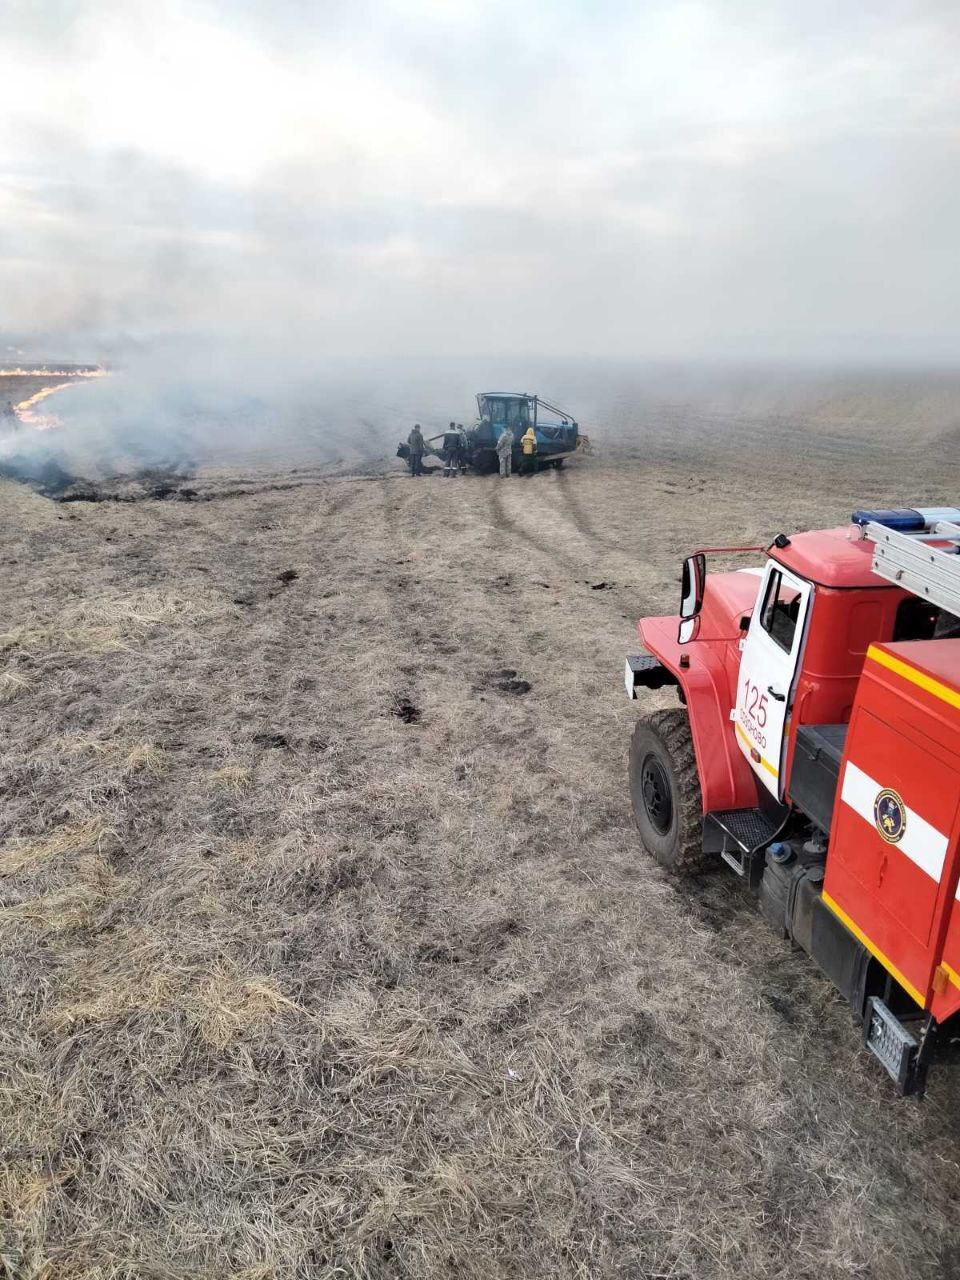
(906, 519)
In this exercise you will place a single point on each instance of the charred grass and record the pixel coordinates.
(327, 946)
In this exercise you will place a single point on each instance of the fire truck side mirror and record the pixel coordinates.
(691, 596)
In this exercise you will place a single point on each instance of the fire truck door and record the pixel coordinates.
(771, 654)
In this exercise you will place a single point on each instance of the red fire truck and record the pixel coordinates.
(817, 754)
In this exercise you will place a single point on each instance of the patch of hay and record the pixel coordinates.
(58, 912)
(104, 624)
(138, 609)
(227, 1006)
(12, 685)
(31, 639)
(144, 758)
(244, 852)
(23, 854)
(147, 990)
(231, 777)
(76, 743)
(220, 1006)
(23, 1190)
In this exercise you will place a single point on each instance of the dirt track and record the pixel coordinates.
(326, 951)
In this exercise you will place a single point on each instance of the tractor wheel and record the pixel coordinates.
(665, 792)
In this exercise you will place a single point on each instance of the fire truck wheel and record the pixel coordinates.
(665, 791)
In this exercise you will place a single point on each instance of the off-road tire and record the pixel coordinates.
(665, 792)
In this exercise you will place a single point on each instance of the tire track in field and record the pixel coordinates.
(445, 621)
(636, 576)
(345, 495)
(343, 502)
(578, 517)
(507, 524)
(591, 556)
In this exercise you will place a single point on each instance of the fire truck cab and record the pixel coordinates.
(817, 754)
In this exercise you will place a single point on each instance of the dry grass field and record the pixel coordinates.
(327, 944)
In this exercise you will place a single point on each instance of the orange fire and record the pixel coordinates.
(25, 410)
(38, 421)
(44, 372)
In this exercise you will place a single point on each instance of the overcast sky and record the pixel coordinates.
(645, 179)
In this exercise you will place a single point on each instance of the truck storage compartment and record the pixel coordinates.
(816, 767)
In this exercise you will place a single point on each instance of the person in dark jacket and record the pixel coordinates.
(452, 447)
(417, 446)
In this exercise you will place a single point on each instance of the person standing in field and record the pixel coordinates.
(451, 450)
(505, 452)
(528, 443)
(417, 446)
(462, 449)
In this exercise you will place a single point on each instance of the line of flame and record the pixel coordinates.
(47, 421)
(52, 373)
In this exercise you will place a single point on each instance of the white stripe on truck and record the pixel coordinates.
(923, 844)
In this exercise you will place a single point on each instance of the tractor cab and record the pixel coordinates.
(499, 410)
(556, 431)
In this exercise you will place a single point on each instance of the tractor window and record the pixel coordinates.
(781, 608)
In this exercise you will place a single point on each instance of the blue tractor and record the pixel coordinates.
(557, 433)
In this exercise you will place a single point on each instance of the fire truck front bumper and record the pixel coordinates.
(644, 671)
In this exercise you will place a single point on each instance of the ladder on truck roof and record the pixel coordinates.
(926, 562)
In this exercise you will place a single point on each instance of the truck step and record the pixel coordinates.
(744, 830)
(889, 1040)
(747, 828)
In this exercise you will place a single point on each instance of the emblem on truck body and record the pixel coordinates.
(890, 815)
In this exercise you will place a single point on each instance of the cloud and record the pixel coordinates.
(708, 178)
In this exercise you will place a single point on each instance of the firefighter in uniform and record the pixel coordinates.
(417, 446)
(528, 443)
(505, 451)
